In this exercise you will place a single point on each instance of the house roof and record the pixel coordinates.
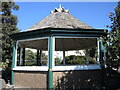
(60, 18)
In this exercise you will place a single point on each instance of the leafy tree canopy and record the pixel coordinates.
(9, 26)
(114, 37)
(30, 55)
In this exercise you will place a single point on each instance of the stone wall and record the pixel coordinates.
(31, 79)
(77, 79)
(62, 79)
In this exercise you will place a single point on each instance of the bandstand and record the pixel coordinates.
(59, 31)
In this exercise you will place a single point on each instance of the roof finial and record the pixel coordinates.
(60, 6)
(60, 9)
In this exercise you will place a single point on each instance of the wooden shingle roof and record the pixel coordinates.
(60, 18)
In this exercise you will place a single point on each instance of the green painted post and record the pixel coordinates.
(14, 57)
(12, 77)
(102, 63)
(101, 52)
(50, 63)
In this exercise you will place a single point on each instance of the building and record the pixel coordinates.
(59, 31)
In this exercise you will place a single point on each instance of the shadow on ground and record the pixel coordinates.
(113, 80)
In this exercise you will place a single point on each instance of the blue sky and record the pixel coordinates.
(94, 14)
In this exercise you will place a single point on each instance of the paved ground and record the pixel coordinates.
(2, 84)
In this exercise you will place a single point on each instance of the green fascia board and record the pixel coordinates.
(57, 31)
(78, 35)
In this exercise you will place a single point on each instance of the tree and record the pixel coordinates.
(114, 38)
(30, 55)
(9, 23)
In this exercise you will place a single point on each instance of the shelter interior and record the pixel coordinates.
(63, 45)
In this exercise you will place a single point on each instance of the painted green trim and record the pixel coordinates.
(50, 80)
(50, 62)
(13, 61)
(77, 35)
(23, 37)
(101, 53)
(79, 31)
(14, 53)
(64, 32)
(12, 78)
(50, 40)
(43, 31)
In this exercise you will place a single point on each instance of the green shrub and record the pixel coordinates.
(58, 61)
(78, 60)
(4, 65)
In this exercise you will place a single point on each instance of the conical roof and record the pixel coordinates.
(60, 18)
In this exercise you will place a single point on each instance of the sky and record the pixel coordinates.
(94, 14)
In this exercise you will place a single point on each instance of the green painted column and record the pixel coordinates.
(51, 47)
(101, 53)
(14, 60)
(102, 62)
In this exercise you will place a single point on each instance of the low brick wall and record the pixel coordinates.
(77, 79)
(26, 79)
